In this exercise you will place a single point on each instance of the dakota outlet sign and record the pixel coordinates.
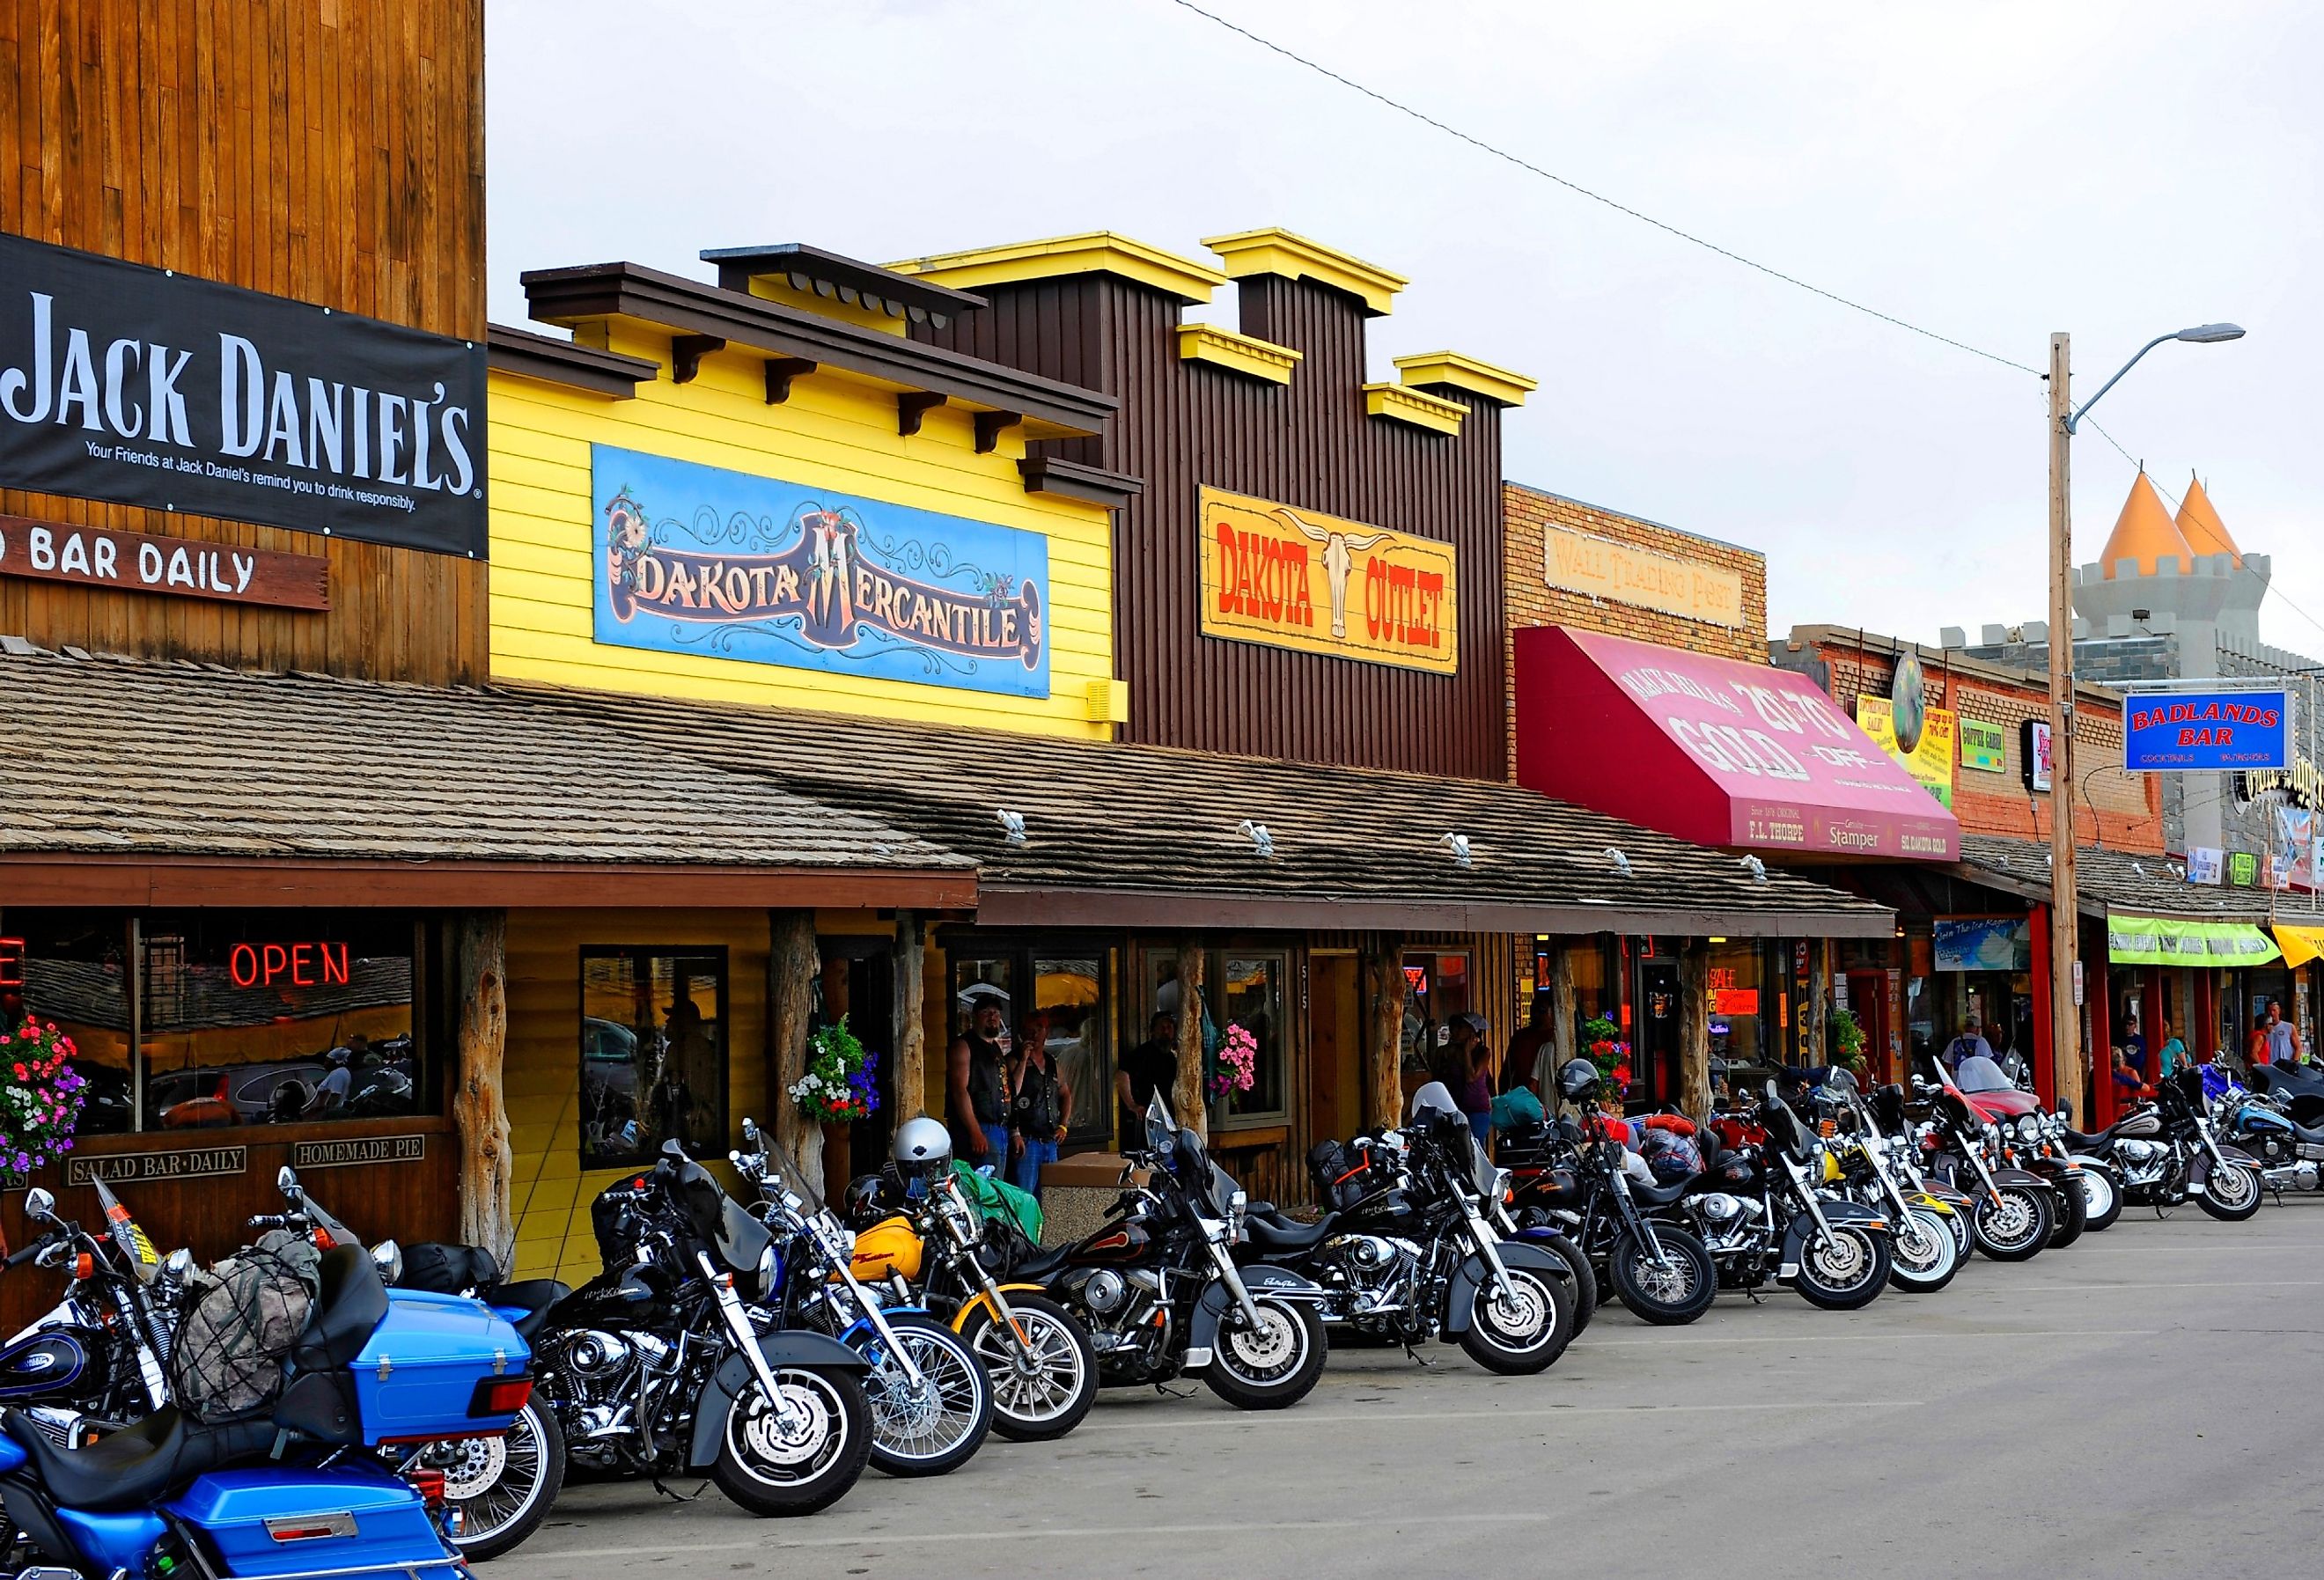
(1301, 579)
(140, 386)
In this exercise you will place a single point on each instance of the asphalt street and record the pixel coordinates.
(2146, 1402)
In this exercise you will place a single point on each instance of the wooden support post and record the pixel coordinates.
(1187, 1100)
(793, 963)
(2070, 1062)
(1564, 1031)
(1818, 1001)
(1694, 1029)
(1384, 968)
(2098, 995)
(907, 966)
(479, 1101)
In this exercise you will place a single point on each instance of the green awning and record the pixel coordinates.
(2154, 940)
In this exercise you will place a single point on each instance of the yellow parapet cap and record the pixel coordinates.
(1242, 353)
(1403, 403)
(1431, 369)
(1094, 252)
(1277, 251)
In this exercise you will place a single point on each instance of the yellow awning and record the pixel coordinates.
(2300, 944)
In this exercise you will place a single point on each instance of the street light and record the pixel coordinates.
(2065, 417)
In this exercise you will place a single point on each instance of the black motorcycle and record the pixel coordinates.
(2168, 1151)
(1158, 1291)
(1762, 1212)
(1415, 1255)
(659, 1365)
(2013, 1214)
(98, 1359)
(1576, 1180)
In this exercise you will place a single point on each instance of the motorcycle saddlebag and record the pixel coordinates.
(1361, 1170)
(440, 1366)
(282, 1522)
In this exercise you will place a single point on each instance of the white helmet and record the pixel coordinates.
(923, 1144)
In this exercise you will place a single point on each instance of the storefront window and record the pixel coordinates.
(67, 968)
(1436, 987)
(653, 1053)
(1737, 1042)
(1250, 995)
(1590, 1000)
(289, 1018)
(980, 980)
(1069, 991)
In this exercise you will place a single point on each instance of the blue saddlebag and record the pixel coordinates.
(278, 1522)
(429, 1367)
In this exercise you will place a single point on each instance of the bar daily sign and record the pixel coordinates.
(146, 387)
(1298, 578)
(729, 565)
(142, 562)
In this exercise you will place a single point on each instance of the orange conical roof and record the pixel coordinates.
(2143, 532)
(2200, 525)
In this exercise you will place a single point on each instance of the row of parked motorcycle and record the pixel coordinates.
(780, 1344)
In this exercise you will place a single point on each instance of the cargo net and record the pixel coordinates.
(239, 1321)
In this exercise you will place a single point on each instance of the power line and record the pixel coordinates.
(1599, 198)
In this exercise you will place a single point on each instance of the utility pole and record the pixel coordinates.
(2065, 915)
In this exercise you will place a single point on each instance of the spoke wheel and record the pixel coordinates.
(934, 1425)
(502, 1486)
(1044, 1382)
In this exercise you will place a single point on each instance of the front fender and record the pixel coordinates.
(787, 1346)
(981, 1302)
(1473, 1274)
(1264, 1280)
(2199, 1171)
(2024, 1179)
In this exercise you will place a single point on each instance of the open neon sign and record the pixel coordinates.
(308, 964)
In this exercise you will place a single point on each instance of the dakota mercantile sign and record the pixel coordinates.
(142, 386)
(699, 559)
(1599, 567)
(1292, 578)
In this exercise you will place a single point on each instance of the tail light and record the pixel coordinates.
(429, 1484)
(501, 1396)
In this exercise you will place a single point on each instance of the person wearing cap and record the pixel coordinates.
(1969, 1044)
(1471, 1070)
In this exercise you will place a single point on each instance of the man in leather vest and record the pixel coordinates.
(976, 1089)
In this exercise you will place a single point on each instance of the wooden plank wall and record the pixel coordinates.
(332, 151)
(1185, 424)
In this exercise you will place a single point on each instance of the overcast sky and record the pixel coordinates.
(1993, 172)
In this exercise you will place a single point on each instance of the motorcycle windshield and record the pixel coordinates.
(738, 1240)
(1161, 1129)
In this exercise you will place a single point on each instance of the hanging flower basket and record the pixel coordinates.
(1602, 1041)
(41, 1097)
(842, 1081)
(1237, 1066)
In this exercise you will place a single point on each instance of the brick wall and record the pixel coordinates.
(1532, 601)
(2128, 806)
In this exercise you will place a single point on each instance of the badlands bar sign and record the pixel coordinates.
(1290, 576)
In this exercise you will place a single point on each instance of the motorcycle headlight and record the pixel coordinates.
(1993, 1133)
(1238, 1214)
(388, 1257)
(2028, 1128)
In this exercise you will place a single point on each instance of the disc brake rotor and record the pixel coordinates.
(768, 1439)
(473, 1465)
(1265, 1346)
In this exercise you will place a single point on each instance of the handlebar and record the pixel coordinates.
(20, 1258)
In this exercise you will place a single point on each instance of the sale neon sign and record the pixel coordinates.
(306, 965)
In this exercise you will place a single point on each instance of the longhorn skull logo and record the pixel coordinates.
(1340, 549)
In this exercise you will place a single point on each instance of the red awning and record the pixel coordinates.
(1714, 751)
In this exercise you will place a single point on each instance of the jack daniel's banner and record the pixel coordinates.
(698, 560)
(140, 386)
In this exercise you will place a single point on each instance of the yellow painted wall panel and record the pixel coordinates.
(831, 433)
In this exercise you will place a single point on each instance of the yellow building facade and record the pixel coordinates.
(804, 510)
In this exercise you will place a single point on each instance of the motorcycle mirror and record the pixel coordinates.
(750, 1132)
(286, 1181)
(39, 1203)
(179, 1262)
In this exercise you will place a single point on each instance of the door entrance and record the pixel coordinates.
(1335, 1069)
(1655, 1069)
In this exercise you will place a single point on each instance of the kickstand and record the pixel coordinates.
(1751, 1293)
(1415, 1355)
(679, 1497)
(1172, 1392)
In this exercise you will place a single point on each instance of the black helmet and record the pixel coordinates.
(1579, 1079)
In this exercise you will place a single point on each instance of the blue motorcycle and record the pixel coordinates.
(217, 1499)
(2291, 1154)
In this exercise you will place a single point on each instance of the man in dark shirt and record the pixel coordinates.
(976, 1089)
(1152, 1064)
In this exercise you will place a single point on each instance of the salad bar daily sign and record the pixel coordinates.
(698, 560)
(142, 386)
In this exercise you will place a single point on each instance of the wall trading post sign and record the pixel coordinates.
(1314, 583)
(2178, 731)
(139, 386)
(697, 560)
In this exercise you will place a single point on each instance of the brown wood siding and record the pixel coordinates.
(1184, 425)
(326, 150)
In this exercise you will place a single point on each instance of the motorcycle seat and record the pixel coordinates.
(1662, 1196)
(136, 1466)
(533, 1296)
(1277, 1234)
(1040, 1267)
